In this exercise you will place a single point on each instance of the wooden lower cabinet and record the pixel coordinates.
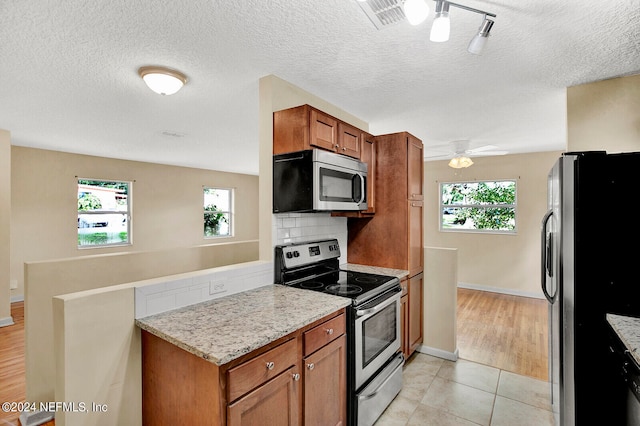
(412, 314)
(274, 403)
(404, 329)
(324, 378)
(298, 379)
(415, 302)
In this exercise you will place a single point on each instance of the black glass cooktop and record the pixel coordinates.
(358, 286)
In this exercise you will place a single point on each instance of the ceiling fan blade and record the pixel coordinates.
(438, 156)
(488, 153)
(481, 149)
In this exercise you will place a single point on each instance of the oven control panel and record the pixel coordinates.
(300, 254)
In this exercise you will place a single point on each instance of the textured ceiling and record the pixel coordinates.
(68, 78)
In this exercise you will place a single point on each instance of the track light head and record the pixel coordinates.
(476, 46)
(441, 24)
(416, 11)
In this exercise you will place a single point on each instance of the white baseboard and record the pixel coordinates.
(4, 322)
(501, 290)
(34, 418)
(438, 353)
(19, 298)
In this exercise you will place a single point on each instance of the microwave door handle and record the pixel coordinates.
(363, 190)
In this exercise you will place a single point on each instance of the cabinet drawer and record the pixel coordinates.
(253, 373)
(326, 332)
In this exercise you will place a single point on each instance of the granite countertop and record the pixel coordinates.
(224, 329)
(628, 329)
(399, 273)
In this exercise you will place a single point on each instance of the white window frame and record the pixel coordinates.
(443, 206)
(229, 213)
(87, 219)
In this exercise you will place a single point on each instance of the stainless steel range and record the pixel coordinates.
(374, 367)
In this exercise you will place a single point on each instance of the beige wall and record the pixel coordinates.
(5, 227)
(505, 263)
(95, 333)
(604, 115)
(166, 203)
(440, 303)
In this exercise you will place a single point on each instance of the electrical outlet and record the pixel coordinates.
(13, 284)
(217, 288)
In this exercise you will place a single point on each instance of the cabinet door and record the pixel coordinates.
(323, 130)
(368, 154)
(415, 166)
(274, 403)
(348, 140)
(415, 312)
(415, 238)
(404, 320)
(325, 385)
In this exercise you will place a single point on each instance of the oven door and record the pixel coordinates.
(339, 188)
(377, 334)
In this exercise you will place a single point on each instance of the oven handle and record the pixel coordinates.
(380, 304)
(399, 361)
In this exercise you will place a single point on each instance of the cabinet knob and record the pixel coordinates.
(296, 377)
(310, 366)
(344, 148)
(270, 365)
(329, 331)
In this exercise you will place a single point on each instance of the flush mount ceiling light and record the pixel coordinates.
(162, 80)
(460, 162)
(387, 12)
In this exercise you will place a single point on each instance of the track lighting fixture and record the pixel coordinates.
(383, 13)
(416, 11)
(477, 43)
(441, 24)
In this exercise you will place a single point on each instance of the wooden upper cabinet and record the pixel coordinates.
(348, 140)
(415, 168)
(368, 154)
(304, 127)
(323, 131)
(415, 237)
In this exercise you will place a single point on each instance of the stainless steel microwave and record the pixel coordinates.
(316, 180)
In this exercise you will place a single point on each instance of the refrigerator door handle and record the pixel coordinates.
(546, 255)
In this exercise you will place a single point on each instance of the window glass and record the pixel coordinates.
(217, 212)
(488, 206)
(103, 213)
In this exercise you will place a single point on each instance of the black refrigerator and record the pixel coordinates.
(590, 267)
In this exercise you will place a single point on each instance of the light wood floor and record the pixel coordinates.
(12, 373)
(504, 331)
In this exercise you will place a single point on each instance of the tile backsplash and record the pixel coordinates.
(177, 291)
(300, 227)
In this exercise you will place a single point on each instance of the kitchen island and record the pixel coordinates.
(249, 357)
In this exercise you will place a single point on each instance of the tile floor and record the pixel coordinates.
(440, 392)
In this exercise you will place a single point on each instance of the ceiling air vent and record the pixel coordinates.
(383, 13)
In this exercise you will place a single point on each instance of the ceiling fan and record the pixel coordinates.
(459, 152)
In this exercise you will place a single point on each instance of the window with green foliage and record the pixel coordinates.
(218, 212)
(478, 206)
(104, 213)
